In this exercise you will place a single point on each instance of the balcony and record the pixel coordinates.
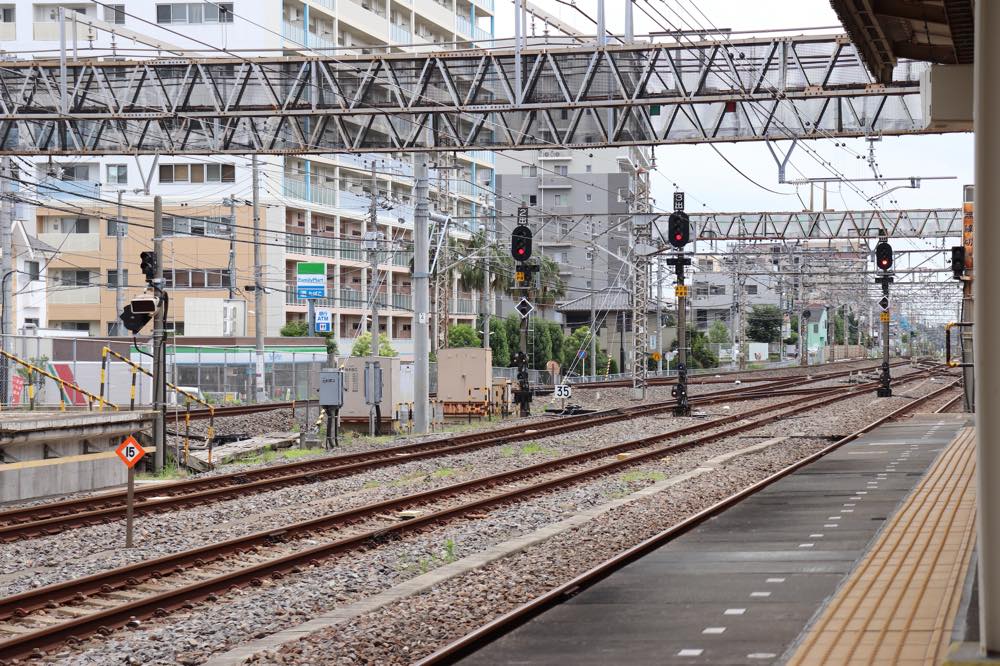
(481, 35)
(297, 243)
(464, 306)
(400, 35)
(352, 251)
(485, 4)
(75, 295)
(463, 26)
(352, 298)
(72, 242)
(298, 189)
(402, 301)
(361, 16)
(68, 189)
(402, 259)
(552, 182)
(324, 247)
(300, 36)
(329, 4)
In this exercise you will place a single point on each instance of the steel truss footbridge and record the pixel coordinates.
(573, 97)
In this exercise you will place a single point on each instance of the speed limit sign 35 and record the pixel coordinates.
(563, 391)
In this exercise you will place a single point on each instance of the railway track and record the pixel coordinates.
(55, 517)
(491, 631)
(235, 410)
(39, 619)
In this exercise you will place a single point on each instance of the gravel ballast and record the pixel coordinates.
(390, 636)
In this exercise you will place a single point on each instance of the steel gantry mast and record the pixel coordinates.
(574, 96)
(643, 249)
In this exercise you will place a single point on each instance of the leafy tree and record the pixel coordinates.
(764, 323)
(295, 329)
(499, 343)
(792, 339)
(541, 346)
(571, 346)
(363, 345)
(718, 333)
(300, 329)
(701, 355)
(556, 337)
(463, 335)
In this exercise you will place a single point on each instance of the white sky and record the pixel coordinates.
(711, 185)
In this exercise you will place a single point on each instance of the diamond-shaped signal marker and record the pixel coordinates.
(524, 307)
(884, 302)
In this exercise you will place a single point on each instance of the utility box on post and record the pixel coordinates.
(331, 388)
(356, 409)
(462, 370)
(373, 383)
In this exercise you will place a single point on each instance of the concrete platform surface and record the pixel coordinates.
(740, 588)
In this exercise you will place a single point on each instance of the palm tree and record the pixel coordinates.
(552, 286)
(470, 273)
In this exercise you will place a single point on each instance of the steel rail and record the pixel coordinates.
(52, 518)
(503, 624)
(30, 643)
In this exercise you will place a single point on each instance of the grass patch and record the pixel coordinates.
(443, 473)
(410, 478)
(508, 451)
(640, 475)
(292, 454)
(171, 471)
(532, 448)
(370, 485)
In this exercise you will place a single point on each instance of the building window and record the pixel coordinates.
(197, 278)
(32, 269)
(71, 278)
(815, 328)
(590, 197)
(112, 282)
(112, 228)
(590, 168)
(75, 326)
(7, 15)
(751, 289)
(75, 172)
(217, 227)
(192, 12)
(197, 173)
(80, 225)
(114, 14)
(717, 289)
(562, 170)
(174, 327)
(117, 174)
(559, 200)
(529, 171)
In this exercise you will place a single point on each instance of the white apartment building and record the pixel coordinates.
(313, 208)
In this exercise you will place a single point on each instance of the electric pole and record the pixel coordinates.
(372, 240)
(6, 277)
(421, 296)
(119, 265)
(232, 246)
(593, 298)
(159, 346)
(260, 316)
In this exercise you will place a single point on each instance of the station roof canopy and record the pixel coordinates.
(937, 31)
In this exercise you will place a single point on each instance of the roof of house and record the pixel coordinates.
(609, 299)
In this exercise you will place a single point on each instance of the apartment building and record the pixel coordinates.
(313, 208)
(558, 187)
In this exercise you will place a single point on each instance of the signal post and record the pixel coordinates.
(520, 250)
(883, 261)
(679, 232)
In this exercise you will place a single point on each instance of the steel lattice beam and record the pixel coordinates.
(640, 94)
(916, 223)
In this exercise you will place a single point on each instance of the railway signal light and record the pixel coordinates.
(520, 243)
(958, 261)
(148, 264)
(883, 255)
(679, 229)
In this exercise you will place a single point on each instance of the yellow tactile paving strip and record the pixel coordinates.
(899, 603)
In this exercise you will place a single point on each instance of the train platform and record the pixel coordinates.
(859, 557)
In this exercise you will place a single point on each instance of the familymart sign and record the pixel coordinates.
(310, 280)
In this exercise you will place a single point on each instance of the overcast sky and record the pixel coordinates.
(712, 185)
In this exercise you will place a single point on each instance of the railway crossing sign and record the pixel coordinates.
(524, 308)
(884, 302)
(130, 452)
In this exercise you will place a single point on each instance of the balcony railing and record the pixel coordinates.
(329, 4)
(400, 35)
(463, 26)
(464, 306)
(481, 35)
(299, 35)
(402, 301)
(297, 188)
(352, 250)
(485, 4)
